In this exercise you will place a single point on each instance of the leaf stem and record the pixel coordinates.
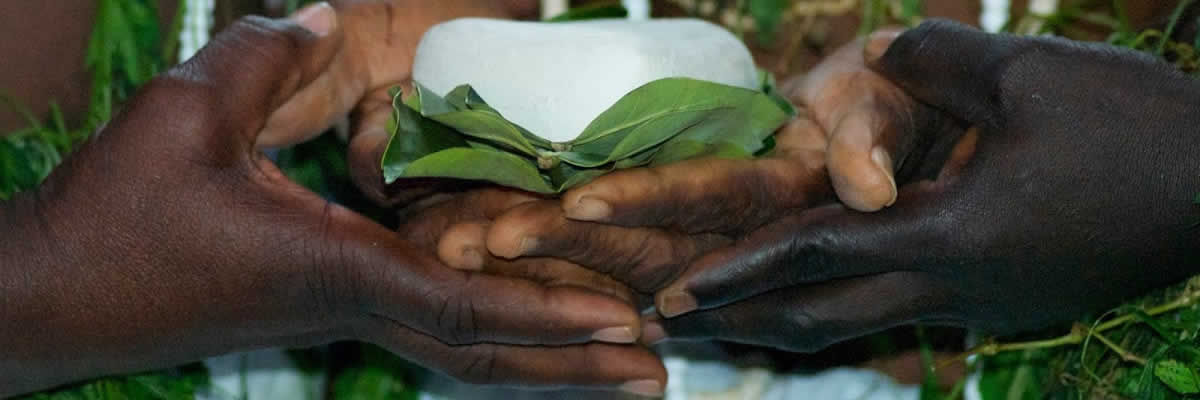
(1080, 332)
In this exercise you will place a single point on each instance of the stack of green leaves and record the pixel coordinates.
(459, 136)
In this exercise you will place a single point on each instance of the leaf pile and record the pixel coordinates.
(459, 136)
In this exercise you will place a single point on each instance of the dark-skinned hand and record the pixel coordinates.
(1074, 193)
(1070, 196)
(170, 238)
(644, 226)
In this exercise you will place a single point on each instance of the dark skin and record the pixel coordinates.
(169, 238)
(1067, 197)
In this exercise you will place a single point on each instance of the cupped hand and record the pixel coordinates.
(644, 226)
(1074, 192)
(170, 238)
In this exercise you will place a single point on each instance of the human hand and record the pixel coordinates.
(1074, 193)
(657, 220)
(170, 238)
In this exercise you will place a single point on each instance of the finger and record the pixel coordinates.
(388, 277)
(631, 369)
(328, 97)
(949, 65)
(253, 68)
(814, 246)
(427, 225)
(368, 143)
(463, 246)
(708, 195)
(644, 258)
(859, 159)
(810, 318)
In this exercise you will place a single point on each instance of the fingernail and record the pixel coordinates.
(590, 209)
(646, 387)
(884, 162)
(620, 334)
(653, 332)
(878, 43)
(677, 303)
(528, 245)
(472, 259)
(320, 18)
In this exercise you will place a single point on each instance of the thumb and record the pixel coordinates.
(250, 70)
(949, 65)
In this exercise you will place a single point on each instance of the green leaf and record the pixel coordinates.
(1177, 376)
(767, 15)
(413, 137)
(664, 121)
(1197, 200)
(639, 138)
(673, 95)
(486, 125)
(929, 381)
(689, 109)
(478, 164)
(595, 11)
(1014, 376)
(680, 150)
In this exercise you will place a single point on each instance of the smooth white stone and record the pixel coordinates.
(555, 78)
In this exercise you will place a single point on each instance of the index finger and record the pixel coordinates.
(710, 195)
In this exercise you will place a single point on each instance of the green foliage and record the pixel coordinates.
(1179, 377)
(1014, 375)
(767, 14)
(879, 13)
(126, 49)
(461, 137)
(179, 384)
(379, 375)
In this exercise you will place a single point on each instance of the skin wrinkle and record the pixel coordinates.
(123, 275)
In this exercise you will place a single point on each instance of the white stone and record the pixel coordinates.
(555, 78)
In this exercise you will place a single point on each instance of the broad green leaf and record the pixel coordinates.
(672, 95)
(641, 137)
(597, 11)
(431, 103)
(680, 150)
(1177, 376)
(581, 178)
(487, 126)
(482, 124)
(1197, 201)
(413, 137)
(458, 97)
(479, 164)
(464, 97)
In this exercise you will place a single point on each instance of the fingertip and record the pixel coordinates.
(589, 209)
(859, 168)
(507, 239)
(883, 161)
(461, 246)
(653, 332)
(319, 18)
(675, 301)
(878, 43)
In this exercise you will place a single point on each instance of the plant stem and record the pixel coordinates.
(1125, 354)
(1079, 332)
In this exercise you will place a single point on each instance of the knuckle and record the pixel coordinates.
(803, 332)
